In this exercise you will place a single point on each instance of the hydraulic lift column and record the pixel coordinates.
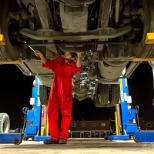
(126, 117)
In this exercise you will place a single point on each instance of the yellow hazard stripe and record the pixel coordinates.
(116, 124)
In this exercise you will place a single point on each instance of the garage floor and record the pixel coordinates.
(80, 146)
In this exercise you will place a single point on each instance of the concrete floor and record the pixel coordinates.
(80, 146)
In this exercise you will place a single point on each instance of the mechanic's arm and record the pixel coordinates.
(39, 54)
(79, 59)
(47, 63)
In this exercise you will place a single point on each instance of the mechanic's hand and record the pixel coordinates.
(38, 53)
(79, 54)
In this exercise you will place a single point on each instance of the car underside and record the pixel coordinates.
(107, 32)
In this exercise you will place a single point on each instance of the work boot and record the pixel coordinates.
(62, 141)
(50, 142)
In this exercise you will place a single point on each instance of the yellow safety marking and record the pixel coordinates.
(134, 59)
(2, 40)
(47, 127)
(116, 124)
(42, 130)
(19, 61)
(149, 38)
(121, 85)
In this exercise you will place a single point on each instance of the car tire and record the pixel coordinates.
(102, 97)
(43, 92)
(4, 123)
(141, 49)
(13, 52)
(108, 95)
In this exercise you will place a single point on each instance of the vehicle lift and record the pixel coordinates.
(126, 119)
(36, 119)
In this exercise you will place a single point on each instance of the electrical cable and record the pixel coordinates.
(137, 112)
(24, 110)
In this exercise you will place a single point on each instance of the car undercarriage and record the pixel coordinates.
(107, 32)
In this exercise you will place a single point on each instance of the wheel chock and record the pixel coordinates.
(2, 40)
(149, 38)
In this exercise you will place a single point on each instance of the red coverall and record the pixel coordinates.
(60, 96)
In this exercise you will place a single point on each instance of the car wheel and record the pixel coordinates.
(43, 93)
(4, 123)
(140, 49)
(115, 94)
(108, 95)
(13, 51)
(102, 96)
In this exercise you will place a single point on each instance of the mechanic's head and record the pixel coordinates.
(70, 55)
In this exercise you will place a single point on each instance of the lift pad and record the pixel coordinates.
(149, 38)
(10, 138)
(2, 40)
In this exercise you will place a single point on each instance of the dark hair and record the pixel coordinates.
(74, 55)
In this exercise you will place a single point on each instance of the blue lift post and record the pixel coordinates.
(128, 123)
(128, 119)
(33, 117)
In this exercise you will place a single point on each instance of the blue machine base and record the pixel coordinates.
(10, 138)
(117, 137)
(144, 136)
(41, 138)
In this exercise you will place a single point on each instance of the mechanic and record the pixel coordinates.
(64, 69)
